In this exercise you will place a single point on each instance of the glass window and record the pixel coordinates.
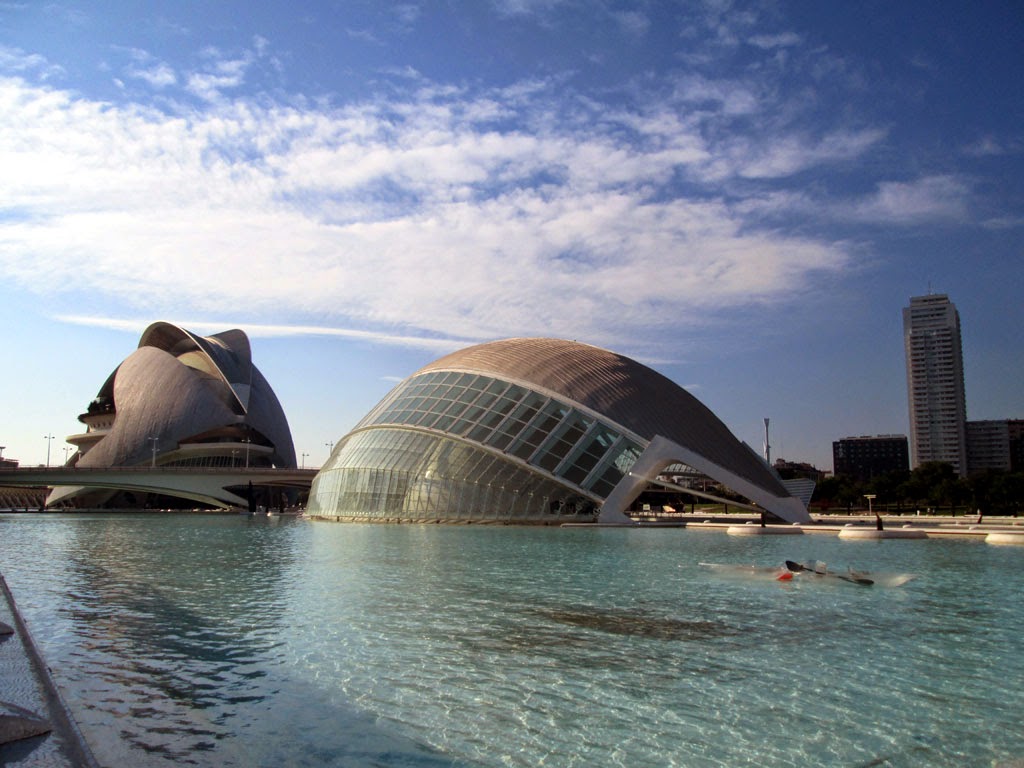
(443, 422)
(455, 409)
(593, 449)
(497, 387)
(485, 399)
(499, 440)
(535, 431)
(622, 461)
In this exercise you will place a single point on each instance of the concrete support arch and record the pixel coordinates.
(661, 453)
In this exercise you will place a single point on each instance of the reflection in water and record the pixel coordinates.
(637, 624)
(175, 625)
(230, 641)
(173, 639)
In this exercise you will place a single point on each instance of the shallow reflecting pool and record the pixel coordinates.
(235, 641)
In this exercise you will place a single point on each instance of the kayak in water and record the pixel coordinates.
(768, 573)
(818, 568)
(810, 570)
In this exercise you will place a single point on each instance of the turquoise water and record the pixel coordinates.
(232, 641)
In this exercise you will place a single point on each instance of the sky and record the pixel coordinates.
(741, 195)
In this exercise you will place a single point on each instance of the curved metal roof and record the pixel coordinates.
(624, 391)
(228, 354)
(157, 396)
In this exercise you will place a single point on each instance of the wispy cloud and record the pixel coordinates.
(15, 60)
(789, 154)
(991, 146)
(935, 198)
(260, 330)
(440, 213)
(779, 40)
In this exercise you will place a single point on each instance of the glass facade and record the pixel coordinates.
(456, 446)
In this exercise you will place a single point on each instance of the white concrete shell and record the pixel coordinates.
(650, 421)
(186, 400)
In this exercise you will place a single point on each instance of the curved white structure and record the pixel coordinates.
(532, 430)
(182, 400)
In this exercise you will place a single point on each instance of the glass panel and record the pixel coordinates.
(523, 449)
(468, 395)
(443, 422)
(497, 387)
(479, 433)
(473, 413)
(499, 440)
(455, 409)
(485, 400)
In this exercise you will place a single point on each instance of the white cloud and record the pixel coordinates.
(259, 330)
(412, 222)
(17, 61)
(935, 198)
(992, 146)
(633, 22)
(780, 40)
(781, 156)
(735, 98)
(224, 75)
(159, 75)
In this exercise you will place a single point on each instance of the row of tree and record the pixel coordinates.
(931, 486)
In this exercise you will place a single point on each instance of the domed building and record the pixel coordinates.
(181, 400)
(532, 431)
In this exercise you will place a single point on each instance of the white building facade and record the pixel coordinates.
(935, 382)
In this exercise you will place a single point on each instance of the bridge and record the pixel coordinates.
(206, 485)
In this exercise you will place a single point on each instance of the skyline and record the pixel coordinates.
(739, 195)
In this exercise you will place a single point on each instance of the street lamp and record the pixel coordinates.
(246, 440)
(878, 519)
(330, 449)
(303, 459)
(154, 441)
(49, 439)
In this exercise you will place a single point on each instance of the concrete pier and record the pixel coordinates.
(36, 727)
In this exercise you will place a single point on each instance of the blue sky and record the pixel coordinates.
(741, 195)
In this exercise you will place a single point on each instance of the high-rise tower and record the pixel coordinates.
(935, 382)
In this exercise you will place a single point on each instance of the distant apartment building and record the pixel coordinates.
(995, 444)
(863, 458)
(935, 382)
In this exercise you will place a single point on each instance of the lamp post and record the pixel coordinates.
(49, 439)
(246, 440)
(304, 455)
(154, 441)
(878, 518)
(330, 449)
